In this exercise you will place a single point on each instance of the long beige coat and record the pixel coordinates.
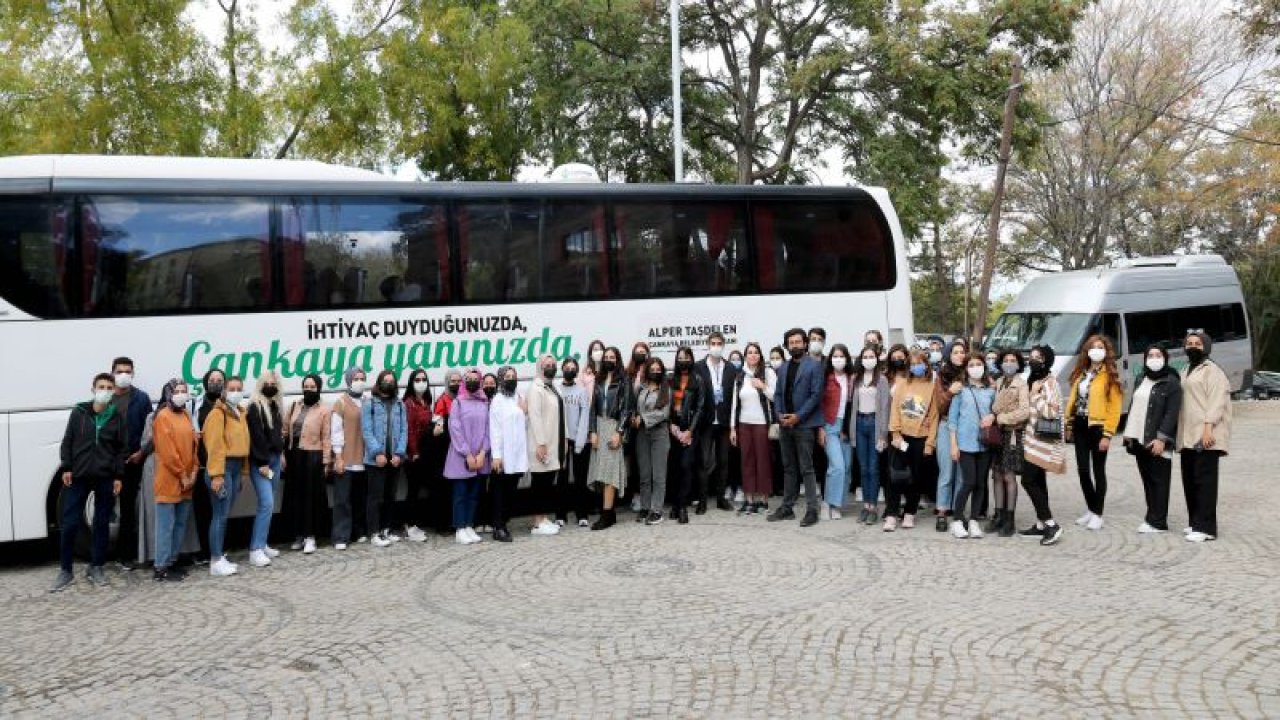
(545, 413)
(1206, 398)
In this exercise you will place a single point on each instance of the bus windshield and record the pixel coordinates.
(1060, 331)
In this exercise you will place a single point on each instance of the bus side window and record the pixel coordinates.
(818, 245)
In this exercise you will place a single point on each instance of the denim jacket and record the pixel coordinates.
(966, 413)
(373, 425)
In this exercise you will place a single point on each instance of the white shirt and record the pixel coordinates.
(715, 368)
(509, 433)
(338, 439)
(1137, 423)
(843, 380)
(868, 394)
(748, 399)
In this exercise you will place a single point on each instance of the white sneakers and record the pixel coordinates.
(380, 540)
(222, 568)
(415, 534)
(1146, 529)
(309, 546)
(1085, 518)
(583, 523)
(339, 546)
(546, 527)
(475, 537)
(466, 536)
(258, 558)
(271, 552)
(1198, 537)
(297, 545)
(833, 513)
(975, 530)
(739, 497)
(958, 531)
(1095, 522)
(890, 523)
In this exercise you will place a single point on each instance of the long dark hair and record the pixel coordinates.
(410, 393)
(948, 372)
(860, 372)
(377, 383)
(760, 366)
(634, 367)
(686, 350)
(595, 369)
(664, 387)
(619, 371)
(888, 358)
(848, 359)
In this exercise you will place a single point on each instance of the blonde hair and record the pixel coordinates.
(263, 402)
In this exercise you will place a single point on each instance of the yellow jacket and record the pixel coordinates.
(226, 436)
(1106, 395)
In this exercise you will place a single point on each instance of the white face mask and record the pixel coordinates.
(815, 347)
(935, 356)
(870, 363)
(597, 356)
(102, 397)
(775, 364)
(358, 387)
(976, 372)
(838, 363)
(1155, 364)
(1097, 354)
(124, 380)
(180, 400)
(716, 351)
(235, 396)
(420, 387)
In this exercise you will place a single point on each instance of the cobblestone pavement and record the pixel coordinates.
(727, 617)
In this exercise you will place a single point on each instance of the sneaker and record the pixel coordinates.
(655, 518)
(222, 568)
(461, 537)
(415, 534)
(908, 521)
(97, 576)
(560, 522)
(63, 581)
(545, 528)
(746, 508)
(339, 546)
(1147, 529)
(636, 506)
(1095, 523)
(309, 546)
(739, 497)
(1085, 518)
(297, 544)
(362, 539)
(179, 572)
(584, 524)
(379, 541)
(940, 524)
(475, 536)
(271, 552)
(833, 513)
(1052, 533)
(165, 576)
(1186, 530)
(958, 531)
(728, 493)
(872, 517)
(890, 523)
(258, 558)
(1035, 531)
(390, 536)
(1199, 537)
(975, 529)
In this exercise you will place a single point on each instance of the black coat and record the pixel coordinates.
(264, 442)
(1162, 410)
(91, 454)
(717, 412)
(692, 413)
(621, 404)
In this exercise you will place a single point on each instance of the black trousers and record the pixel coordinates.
(542, 492)
(571, 486)
(1156, 473)
(382, 483)
(973, 469)
(411, 510)
(1037, 487)
(713, 455)
(502, 489)
(304, 491)
(1086, 438)
(1200, 487)
(127, 534)
(686, 464)
(903, 496)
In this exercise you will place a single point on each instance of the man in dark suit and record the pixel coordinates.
(717, 378)
(798, 403)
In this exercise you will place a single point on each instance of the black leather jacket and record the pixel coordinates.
(1162, 410)
(621, 405)
(693, 414)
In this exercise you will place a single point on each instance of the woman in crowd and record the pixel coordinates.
(640, 355)
(951, 380)
(913, 421)
(1094, 409)
(834, 435)
(488, 386)
(651, 425)
(467, 462)
(1044, 450)
(417, 406)
(686, 421)
(1150, 432)
(266, 462)
(573, 472)
(441, 502)
(1012, 408)
(307, 440)
(1204, 433)
(547, 444)
(591, 368)
(752, 414)
(969, 414)
(226, 439)
(176, 467)
(347, 440)
(386, 438)
(611, 408)
(993, 364)
(871, 397)
(509, 451)
(214, 384)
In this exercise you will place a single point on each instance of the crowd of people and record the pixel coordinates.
(946, 425)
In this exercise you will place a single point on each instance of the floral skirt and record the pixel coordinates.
(1009, 456)
(608, 467)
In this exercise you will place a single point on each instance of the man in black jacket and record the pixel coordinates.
(133, 404)
(94, 448)
(717, 378)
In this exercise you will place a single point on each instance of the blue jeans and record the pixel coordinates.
(946, 467)
(868, 458)
(839, 455)
(266, 491)
(222, 506)
(466, 496)
(74, 497)
(171, 525)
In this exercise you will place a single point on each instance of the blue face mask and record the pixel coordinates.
(918, 370)
(993, 368)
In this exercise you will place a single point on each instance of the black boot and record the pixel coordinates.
(1006, 529)
(607, 520)
(995, 523)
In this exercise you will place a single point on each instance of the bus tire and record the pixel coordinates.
(84, 536)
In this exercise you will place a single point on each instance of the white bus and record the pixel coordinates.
(1138, 303)
(186, 264)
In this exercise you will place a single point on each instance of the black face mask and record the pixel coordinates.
(570, 375)
(453, 389)
(387, 389)
(473, 385)
(897, 364)
(310, 397)
(655, 376)
(548, 372)
(683, 366)
(641, 359)
(1195, 355)
(269, 391)
(1038, 370)
(796, 353)
(608, 366)
(509, 386)
(214, 390)
(489, 392)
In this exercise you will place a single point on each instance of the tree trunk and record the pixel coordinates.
(997, 199)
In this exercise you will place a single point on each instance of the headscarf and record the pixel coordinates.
(1046, 352)
(1164, 371)
(478, 395)
(350, 374)
(539, 377)
(1206, 341)
(502, 382)
(451, 374)
(166, 395)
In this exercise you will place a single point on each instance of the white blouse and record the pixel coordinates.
(509, 433)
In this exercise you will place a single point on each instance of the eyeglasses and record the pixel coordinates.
(1194, 331)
